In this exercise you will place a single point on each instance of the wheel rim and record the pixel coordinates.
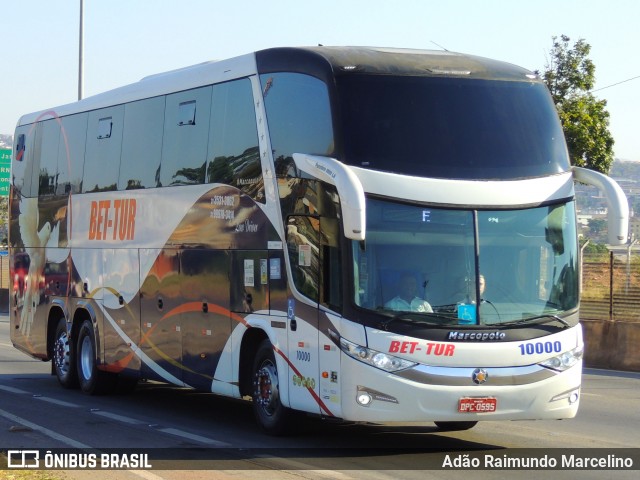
(86, 358)
(266, 388)
(62, 355)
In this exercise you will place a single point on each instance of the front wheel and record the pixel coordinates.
(271, 415)
(64, 356)
(92, 380)
(455, 426)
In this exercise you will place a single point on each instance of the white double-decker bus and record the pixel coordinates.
(366, 234)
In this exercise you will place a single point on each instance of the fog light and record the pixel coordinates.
(572, 396)
(364, 399)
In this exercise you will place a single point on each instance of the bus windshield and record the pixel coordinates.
(456, 128)
(434, 263)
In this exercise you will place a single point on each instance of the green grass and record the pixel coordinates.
(19, 474)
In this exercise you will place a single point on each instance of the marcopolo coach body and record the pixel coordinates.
(361, 233)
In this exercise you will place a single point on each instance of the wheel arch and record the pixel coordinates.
(83, 312)
(58, 311)
(250, 343)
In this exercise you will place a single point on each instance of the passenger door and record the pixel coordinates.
(303, 234)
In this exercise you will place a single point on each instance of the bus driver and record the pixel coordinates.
(407, 300)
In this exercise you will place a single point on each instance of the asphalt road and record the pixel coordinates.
(36, 413)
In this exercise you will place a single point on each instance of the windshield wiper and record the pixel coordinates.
(418, 318)
(538, 320)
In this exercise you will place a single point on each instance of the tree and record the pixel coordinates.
(570, 76)
(597, 226)
(596, 251)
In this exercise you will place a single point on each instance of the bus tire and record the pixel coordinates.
(64, 356)
(271, 415)
(92, 381)
(455, 426)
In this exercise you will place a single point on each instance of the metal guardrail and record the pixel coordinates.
(611, 287)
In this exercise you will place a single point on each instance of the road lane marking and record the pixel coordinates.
(119, 418)
(44, 430)
(61, 403)
(109, 415)
(168, 430)
(191, 436)
(12, 390)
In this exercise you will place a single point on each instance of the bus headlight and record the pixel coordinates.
(565, 360)
(380, 360)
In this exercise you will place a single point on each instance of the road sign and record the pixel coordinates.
(5, 171)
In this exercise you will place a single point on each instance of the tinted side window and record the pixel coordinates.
(303, 246)
(104, 144)
(234, 156)
(331, 263)
(48, 149)
(299, 114)
(186, 131)
(19, 160)
(25, 168)
(71, 153)
(142, 144)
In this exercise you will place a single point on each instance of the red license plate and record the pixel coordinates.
(477, 404)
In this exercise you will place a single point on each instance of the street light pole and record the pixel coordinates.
(80, 53)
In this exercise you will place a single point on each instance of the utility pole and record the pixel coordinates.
(81, 53)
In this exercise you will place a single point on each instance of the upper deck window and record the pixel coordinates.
(142, 144)
(299, 116)
(103, 148)
(185, 138)
(450, 127)
(233, 153)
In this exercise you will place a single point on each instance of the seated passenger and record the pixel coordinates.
(407, 300)
(466, 290)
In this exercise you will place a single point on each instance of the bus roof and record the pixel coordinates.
(390, 61)
(320, 61)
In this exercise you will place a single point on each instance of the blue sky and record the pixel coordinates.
(126, 40)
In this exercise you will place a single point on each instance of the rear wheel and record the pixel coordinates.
(455, 426)
(271, 415)
(92, 380)
(64, 357)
